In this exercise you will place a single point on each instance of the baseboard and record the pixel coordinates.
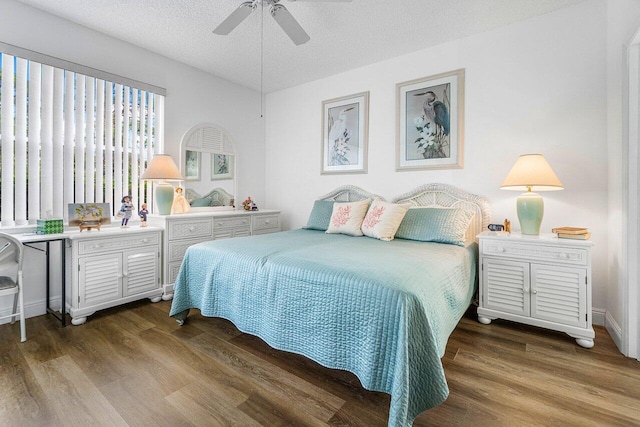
(598, 316)
(31, 309)
(614, 330)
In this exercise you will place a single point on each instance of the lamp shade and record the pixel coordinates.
(162, 168)
(531, 172)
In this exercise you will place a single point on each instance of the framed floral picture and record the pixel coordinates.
(430, 122)
(89, 215)
(345, 133)
(221, 166)
(192, 165)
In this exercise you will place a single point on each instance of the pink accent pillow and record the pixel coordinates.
(346, 218)
(383, 219)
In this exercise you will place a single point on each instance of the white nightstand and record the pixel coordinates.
(538, 280)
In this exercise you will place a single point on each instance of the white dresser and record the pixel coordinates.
(110, 267)
(538, 280)
(184, 230)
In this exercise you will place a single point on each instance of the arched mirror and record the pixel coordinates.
(208, 164)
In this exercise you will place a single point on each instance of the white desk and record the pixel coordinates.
(26, 239)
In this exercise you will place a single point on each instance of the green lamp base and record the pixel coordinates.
(530, 210)
(164, 197)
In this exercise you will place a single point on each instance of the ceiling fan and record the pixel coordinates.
(280, 13)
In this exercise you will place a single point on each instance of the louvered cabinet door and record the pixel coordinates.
(558, 294)
(100, 279)
(140, 271)
(506, 286)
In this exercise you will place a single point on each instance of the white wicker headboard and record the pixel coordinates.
(349, 193)
(448, 196)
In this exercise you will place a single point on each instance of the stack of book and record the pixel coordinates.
(572, 233)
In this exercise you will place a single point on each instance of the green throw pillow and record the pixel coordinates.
(201, 202)
(320, 215)
(441, 225)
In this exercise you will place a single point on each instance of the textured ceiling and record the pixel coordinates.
(343, 35)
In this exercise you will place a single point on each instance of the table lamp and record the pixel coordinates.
(531, 172)
(162, 168)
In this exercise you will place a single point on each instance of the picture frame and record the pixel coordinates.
(222, 166)
(345, 134)
(191, 165)
(89, 215)
(430, 122)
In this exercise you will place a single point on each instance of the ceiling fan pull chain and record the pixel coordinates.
(261, 59)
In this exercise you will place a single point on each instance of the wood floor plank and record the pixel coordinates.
(140, 400)
(204, 406)
(66, 386)
(306, 396)
(22, 400)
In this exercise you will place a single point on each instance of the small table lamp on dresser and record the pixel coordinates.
(531, 172)
(162, 168)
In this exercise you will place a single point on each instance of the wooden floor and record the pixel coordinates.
(135, 366)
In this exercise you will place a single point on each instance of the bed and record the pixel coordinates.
(382, 310)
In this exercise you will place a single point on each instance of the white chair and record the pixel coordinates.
(11, 278)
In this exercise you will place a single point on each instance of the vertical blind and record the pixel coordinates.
(68, 137)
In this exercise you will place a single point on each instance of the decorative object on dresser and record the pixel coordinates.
(531, 172)
(345, 133)
(112, 268)
(182, 231)
(578, 233)
(161, 169)
(542, 281)
(89, 215)
(430, 122)
(180, 204)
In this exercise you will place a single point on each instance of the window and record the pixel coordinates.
(71, 134)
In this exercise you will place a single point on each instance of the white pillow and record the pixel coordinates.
(383, 219)
(346, 218)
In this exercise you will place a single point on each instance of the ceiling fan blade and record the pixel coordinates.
(236, 17)
(289, 24)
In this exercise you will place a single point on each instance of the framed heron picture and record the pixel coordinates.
(345, 133)
(221, 166)
(430, 122)
(192, 165)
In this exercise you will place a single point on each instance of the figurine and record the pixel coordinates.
(507, 226)
(126, 209)
(143, 215)
(249, 205)
(180, 204)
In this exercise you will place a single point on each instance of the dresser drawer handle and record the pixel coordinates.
(96, 246)
(500, 249)
(244, 221)
(192, 228)
(145, 240)
(564, 256)
(221, 223)
(267, 221)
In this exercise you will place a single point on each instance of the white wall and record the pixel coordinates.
(538, 86)
(192, 97)
(623, 21)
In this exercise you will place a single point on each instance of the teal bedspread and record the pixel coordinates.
(382, 310)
